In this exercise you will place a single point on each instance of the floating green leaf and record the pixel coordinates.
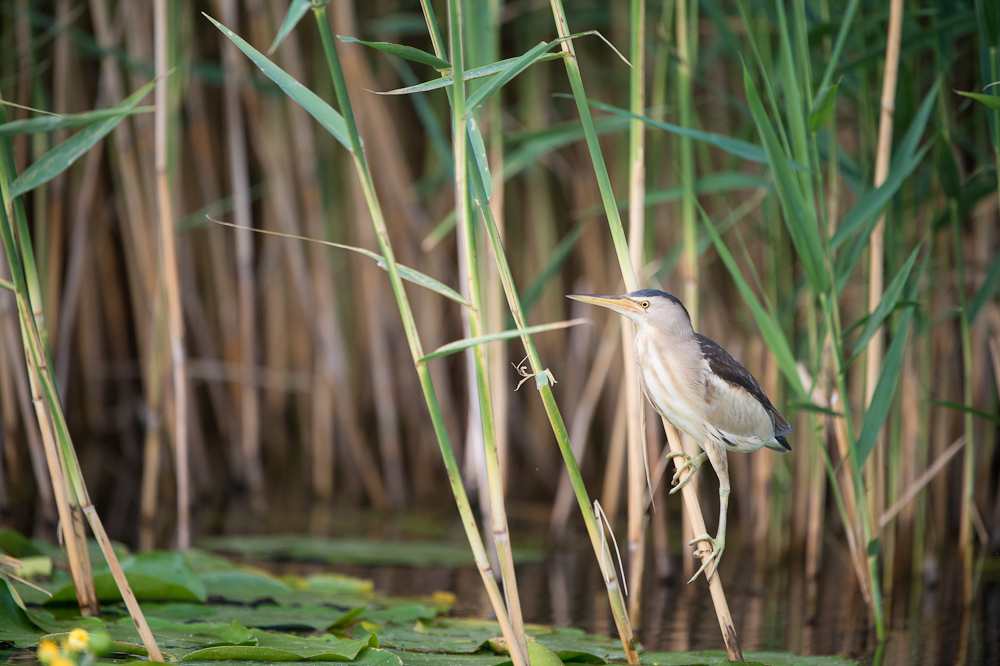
(154, 575)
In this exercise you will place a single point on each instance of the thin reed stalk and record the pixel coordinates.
(873, 353)
(637, 230)
(409, 325)
(467, 246)
(171, 281)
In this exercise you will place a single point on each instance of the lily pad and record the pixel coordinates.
(459, 636)
(712, 657)
(355, 551)
(243, 586)
(436, 659)
(15, 624)
(155, 575)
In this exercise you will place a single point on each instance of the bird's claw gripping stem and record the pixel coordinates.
(711, 564)
(686, 469)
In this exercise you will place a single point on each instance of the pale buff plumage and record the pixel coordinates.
(700, 389)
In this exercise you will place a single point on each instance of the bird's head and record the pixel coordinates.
(646, 307)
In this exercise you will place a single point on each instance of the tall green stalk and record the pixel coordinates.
(412, 335)
(467, 242)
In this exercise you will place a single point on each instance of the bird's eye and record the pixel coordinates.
(644, 305)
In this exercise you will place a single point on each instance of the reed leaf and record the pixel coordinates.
(469, 75)
(988, 21)
(991, 101)
(890, 298)
(296, 10)
(770, 328)
(888, 380)
(331, 121)
(823, 107)
(799, 219)
(408, 274)
(462, 345)
(871, 204)
(735, 147)
(60, 158)
(49, 123)
(968, 409)
(988, 289)
(410, 53)
(478, 148)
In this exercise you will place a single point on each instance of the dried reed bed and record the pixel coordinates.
(300, 391)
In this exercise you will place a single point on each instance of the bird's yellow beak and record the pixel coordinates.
(621, 304)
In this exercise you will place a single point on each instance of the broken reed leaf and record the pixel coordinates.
(409, 274)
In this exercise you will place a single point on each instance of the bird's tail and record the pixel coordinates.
(780, 445)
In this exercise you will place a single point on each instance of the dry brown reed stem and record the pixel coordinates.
(611, 488)
(762, 470)
(140, 264)
(80, 250)
(239, 183)
(814, 473)
(693, 509)
(171, 282)
(874, 473)
(637, 490)
(67, 504)
(19, 376)
(854, 540)
(918, 485)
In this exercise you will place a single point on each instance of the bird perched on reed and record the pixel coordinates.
(701, 390)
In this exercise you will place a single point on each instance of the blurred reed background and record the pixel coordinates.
(299, 389)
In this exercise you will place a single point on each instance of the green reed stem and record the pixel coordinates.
(554, 414)
(410, 328)
(467, 241)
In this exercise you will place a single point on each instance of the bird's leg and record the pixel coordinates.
(685, 469)
(717, 455)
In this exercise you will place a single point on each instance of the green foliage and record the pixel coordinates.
(62, 156)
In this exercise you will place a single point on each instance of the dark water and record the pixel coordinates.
(927, 624)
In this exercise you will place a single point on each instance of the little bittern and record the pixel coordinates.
(701, 390)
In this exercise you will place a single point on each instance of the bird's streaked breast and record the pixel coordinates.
(668, 383)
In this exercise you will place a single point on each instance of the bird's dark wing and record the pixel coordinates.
(732, 371)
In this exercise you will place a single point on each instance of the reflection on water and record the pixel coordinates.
(773, 610)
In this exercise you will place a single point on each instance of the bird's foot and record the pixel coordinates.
(686, 470)
(709, 564)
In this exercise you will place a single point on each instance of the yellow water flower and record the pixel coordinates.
(47, 651)
(61, 661)
(78, 640)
